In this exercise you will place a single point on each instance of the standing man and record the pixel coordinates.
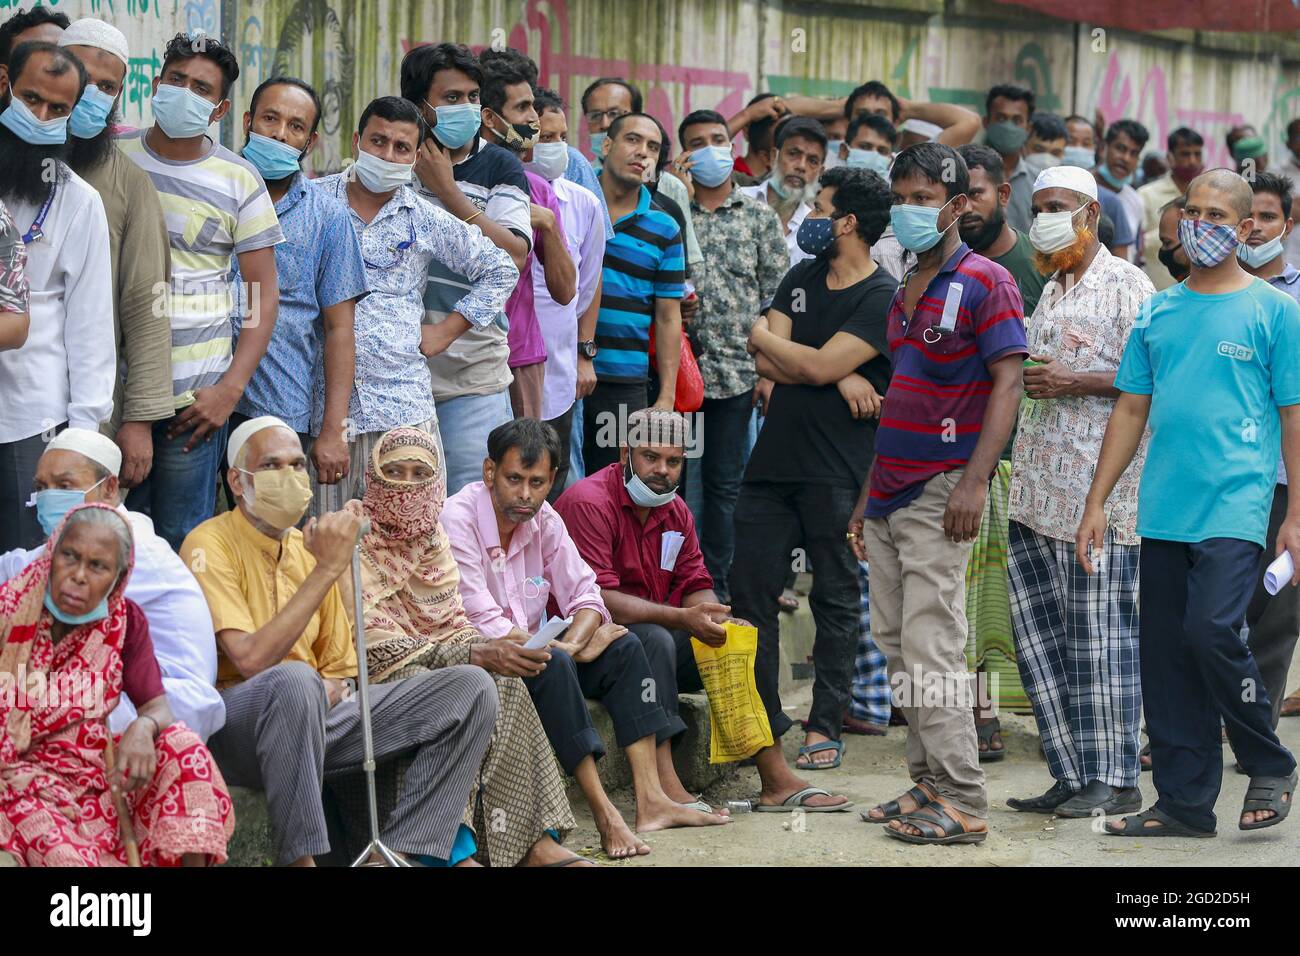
(1185, 164)
(1125, 141)
(1076, 634)
(984, 226)
(1211, 365)
(306, 376)
(1274, 621)
(1007, 109)
(1291, 169)
(138, 245)
(641, 291)
(217, 207)
(957, 336)
(402, 236)
(65, 372)
(800, 156)
(745, 257)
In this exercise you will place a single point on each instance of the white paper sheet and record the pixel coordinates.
(670, 545)
(548, 632)
(1279, 573)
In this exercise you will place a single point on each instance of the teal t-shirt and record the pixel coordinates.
(1217, 368)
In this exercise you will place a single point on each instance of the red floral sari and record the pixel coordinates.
(55, 806)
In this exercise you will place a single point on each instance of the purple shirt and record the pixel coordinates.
(527, 347)
(541, 572)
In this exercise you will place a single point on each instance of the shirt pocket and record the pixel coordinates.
(536, 591)
(943, 359)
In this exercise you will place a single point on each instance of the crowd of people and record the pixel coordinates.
(959, 367)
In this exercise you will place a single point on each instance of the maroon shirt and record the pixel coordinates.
(603, 523)
(141, 678)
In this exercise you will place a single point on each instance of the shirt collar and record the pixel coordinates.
(293, 195)
(244, 530)
(1290, 275)
(736, 198)
(486, 516)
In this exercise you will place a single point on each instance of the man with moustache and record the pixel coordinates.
(64, 374)
(1120, 155)
(1076, 634)
(984, 226)
(800, 155)
(1185, 158)
(138, 245)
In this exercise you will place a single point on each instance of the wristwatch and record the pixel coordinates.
(588, 349)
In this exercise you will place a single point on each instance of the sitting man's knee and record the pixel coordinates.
(294, 683)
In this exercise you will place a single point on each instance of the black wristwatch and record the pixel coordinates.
(588, 349)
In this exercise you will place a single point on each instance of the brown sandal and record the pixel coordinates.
(921, 793)
(939, 826)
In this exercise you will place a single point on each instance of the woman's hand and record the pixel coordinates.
(136, 757)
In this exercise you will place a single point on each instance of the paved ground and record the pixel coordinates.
(874, 770)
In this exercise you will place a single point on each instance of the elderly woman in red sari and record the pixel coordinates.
(415, 622)
(70, 645)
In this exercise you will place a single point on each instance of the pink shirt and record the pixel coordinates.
(527, 347)
(541, 572)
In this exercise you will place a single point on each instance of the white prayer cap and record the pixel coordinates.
(921, 128)
(246, 431)
(1067, 177)
(101, 450)
(96, 33)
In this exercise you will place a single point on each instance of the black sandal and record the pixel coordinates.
(938, 826)
(1136, 826)
(1266, 793)
(985, 733)
(920, 793)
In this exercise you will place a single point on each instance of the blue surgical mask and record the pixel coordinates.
(180, 113)
(97, 613)
(1264, 253)
(641, 494)
(457, 124)
(90, 115)
(1104, 171)
(916, 227)
(270, 157)
(816, 236)
(53, 503)
(597, 143)
(1080, 156)
(711, 165)
(868, 159)
(24, 124)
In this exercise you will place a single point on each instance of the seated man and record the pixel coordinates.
(80, 466)
(619, 519)
(515, 560)
(286, 651)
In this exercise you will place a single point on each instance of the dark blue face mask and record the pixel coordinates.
(816, 236)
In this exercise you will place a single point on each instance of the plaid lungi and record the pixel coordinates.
(869, 695)
(1077, 647)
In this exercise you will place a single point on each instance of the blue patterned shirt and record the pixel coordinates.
(318, 265)
(393, 385)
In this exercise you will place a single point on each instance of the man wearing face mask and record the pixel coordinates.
(800, 156)
(402, 237)
(1115, 176)
(287, 662)
(984, 226)
(1185, 164)
(1210, 364)
(217, 207)
(79, 466)
(1082, 679)
(65, 371)
(138, 245)
(1274, 621)
(957, 336)
(1171, 252)
(306, 376)
(1007, 109)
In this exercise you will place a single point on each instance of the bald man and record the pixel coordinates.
(287, 662)
(1211, 364)
(79, 466)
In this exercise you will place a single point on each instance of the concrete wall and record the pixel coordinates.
(688, 54)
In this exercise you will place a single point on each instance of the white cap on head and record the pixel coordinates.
(246, 431)
(1067, 177)
(97, 33)
(101, 450)
(930, 131)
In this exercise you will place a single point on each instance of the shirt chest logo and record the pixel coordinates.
(1234, 351)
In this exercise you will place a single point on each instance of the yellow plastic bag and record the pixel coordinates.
(737, 717)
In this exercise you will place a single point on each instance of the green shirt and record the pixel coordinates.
(1019, 261)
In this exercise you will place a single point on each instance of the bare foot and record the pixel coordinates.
(618, 842)
(1259, 816)
(600, 639)
(665, 815)
(822, 758)
(546, 852)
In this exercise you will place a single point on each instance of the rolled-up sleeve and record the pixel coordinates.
(464, 249)
(573, 582)
(484, 612)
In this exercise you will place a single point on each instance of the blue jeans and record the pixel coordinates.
(181, 489)
(464, 424)
(714, 482)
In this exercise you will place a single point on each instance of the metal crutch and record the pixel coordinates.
(376, 845)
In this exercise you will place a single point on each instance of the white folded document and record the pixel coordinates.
(1278, 574)
(670, 545)
(548, 632)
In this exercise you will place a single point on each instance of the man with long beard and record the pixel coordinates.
(1076, 634)
(984, 225)
(138, 245)
(64, 373)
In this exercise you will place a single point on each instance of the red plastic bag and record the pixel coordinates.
(689, 396)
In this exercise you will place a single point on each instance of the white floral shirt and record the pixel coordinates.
(1058, 441)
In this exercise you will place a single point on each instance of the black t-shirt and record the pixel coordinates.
(810, 435)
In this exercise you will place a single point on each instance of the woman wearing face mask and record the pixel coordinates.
(65, 618)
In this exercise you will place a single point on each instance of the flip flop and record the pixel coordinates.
(1266, 793)
(699, 805)
(796, 802)
(938, 827)
(985, 733)
(1136, 826)
(809, 749)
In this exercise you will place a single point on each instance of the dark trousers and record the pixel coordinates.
(715, 480)
(564, 428)
(604, 415)
(1196, 670)
(672, 664)
(771, 519)
(180, 492)
(1274, 621)
(619, 678)
(18, 525)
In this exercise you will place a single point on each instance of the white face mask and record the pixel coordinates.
(1262, 254)
(379, 175)
(1053, 231)
(549, 161)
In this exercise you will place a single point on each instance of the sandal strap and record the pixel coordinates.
(919, 793)
(940, 817)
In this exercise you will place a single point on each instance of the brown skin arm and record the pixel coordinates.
(1288, 535)
(13, 330)
(329, 452)
(668, 348)
(557, 264)
(1051, 379)
(961, 519)
(137, 758)
(1128, 419)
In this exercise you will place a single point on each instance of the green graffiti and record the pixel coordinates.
(139, 79)
(1033, 71)
(898, 79)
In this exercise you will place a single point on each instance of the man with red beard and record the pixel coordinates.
(1076, 634)
(1185, 164)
